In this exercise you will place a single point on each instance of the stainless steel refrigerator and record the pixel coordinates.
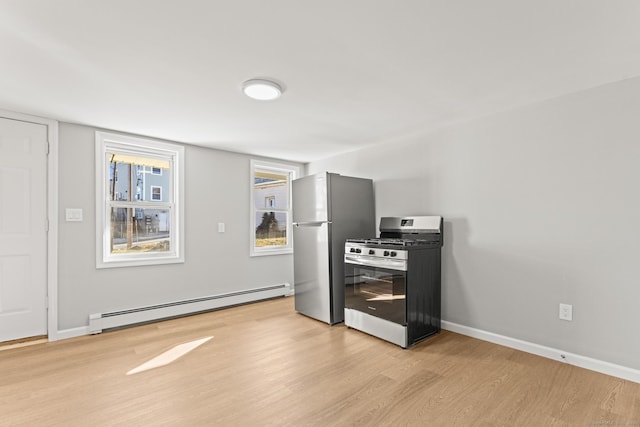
(327, 209)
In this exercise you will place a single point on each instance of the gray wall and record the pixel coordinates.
(541, 207)
(216, 190)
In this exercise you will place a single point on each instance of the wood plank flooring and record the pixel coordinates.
(269, 366)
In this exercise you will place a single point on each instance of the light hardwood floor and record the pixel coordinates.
(267, 365)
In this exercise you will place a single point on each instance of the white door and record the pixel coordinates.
(23, 234)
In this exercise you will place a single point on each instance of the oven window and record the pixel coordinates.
(376, 291)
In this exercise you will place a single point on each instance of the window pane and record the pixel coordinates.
(135, 230)
(271, 229)
(131, 178)
(271, 190)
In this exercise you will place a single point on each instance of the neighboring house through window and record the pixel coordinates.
(271, 207)
(139, 211)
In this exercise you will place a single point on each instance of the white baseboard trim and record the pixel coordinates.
(71, 333)
(548, 352)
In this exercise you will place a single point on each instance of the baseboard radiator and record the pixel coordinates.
(116, 319)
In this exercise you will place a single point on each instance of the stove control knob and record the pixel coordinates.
(372, 252)
(352, 250)
(386, 253)
(393, 254)
(358, 251)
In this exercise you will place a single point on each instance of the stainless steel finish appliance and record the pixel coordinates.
(327, 209)
(392, 283)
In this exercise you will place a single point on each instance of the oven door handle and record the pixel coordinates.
(390, 264)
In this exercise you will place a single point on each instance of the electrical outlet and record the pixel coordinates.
(566, 312)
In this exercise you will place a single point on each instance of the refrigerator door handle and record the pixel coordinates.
(311, 224)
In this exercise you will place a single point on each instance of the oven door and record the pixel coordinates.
(376, 290)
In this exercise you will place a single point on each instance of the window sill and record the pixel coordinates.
(267, 252)
(138, 262)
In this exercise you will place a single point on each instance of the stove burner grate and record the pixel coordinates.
(391, 242)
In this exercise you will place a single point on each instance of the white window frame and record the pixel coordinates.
(293, 172)
(105, 142)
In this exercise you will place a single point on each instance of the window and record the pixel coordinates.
(139, 214)
(270, 202)
(156, 193)
(271, 208)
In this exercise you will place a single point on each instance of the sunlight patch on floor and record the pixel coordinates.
(169, 356)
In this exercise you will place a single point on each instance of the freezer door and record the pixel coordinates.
(310, 199)
(312, 283)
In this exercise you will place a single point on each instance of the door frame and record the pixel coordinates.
(52, 216)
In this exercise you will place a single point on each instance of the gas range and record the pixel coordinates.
(392, 283)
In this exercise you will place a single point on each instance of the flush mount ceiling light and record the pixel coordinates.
(263, 90)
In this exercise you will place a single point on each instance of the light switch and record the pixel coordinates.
(73, 215)
(221, 227)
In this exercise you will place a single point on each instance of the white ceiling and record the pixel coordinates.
(355, 72)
